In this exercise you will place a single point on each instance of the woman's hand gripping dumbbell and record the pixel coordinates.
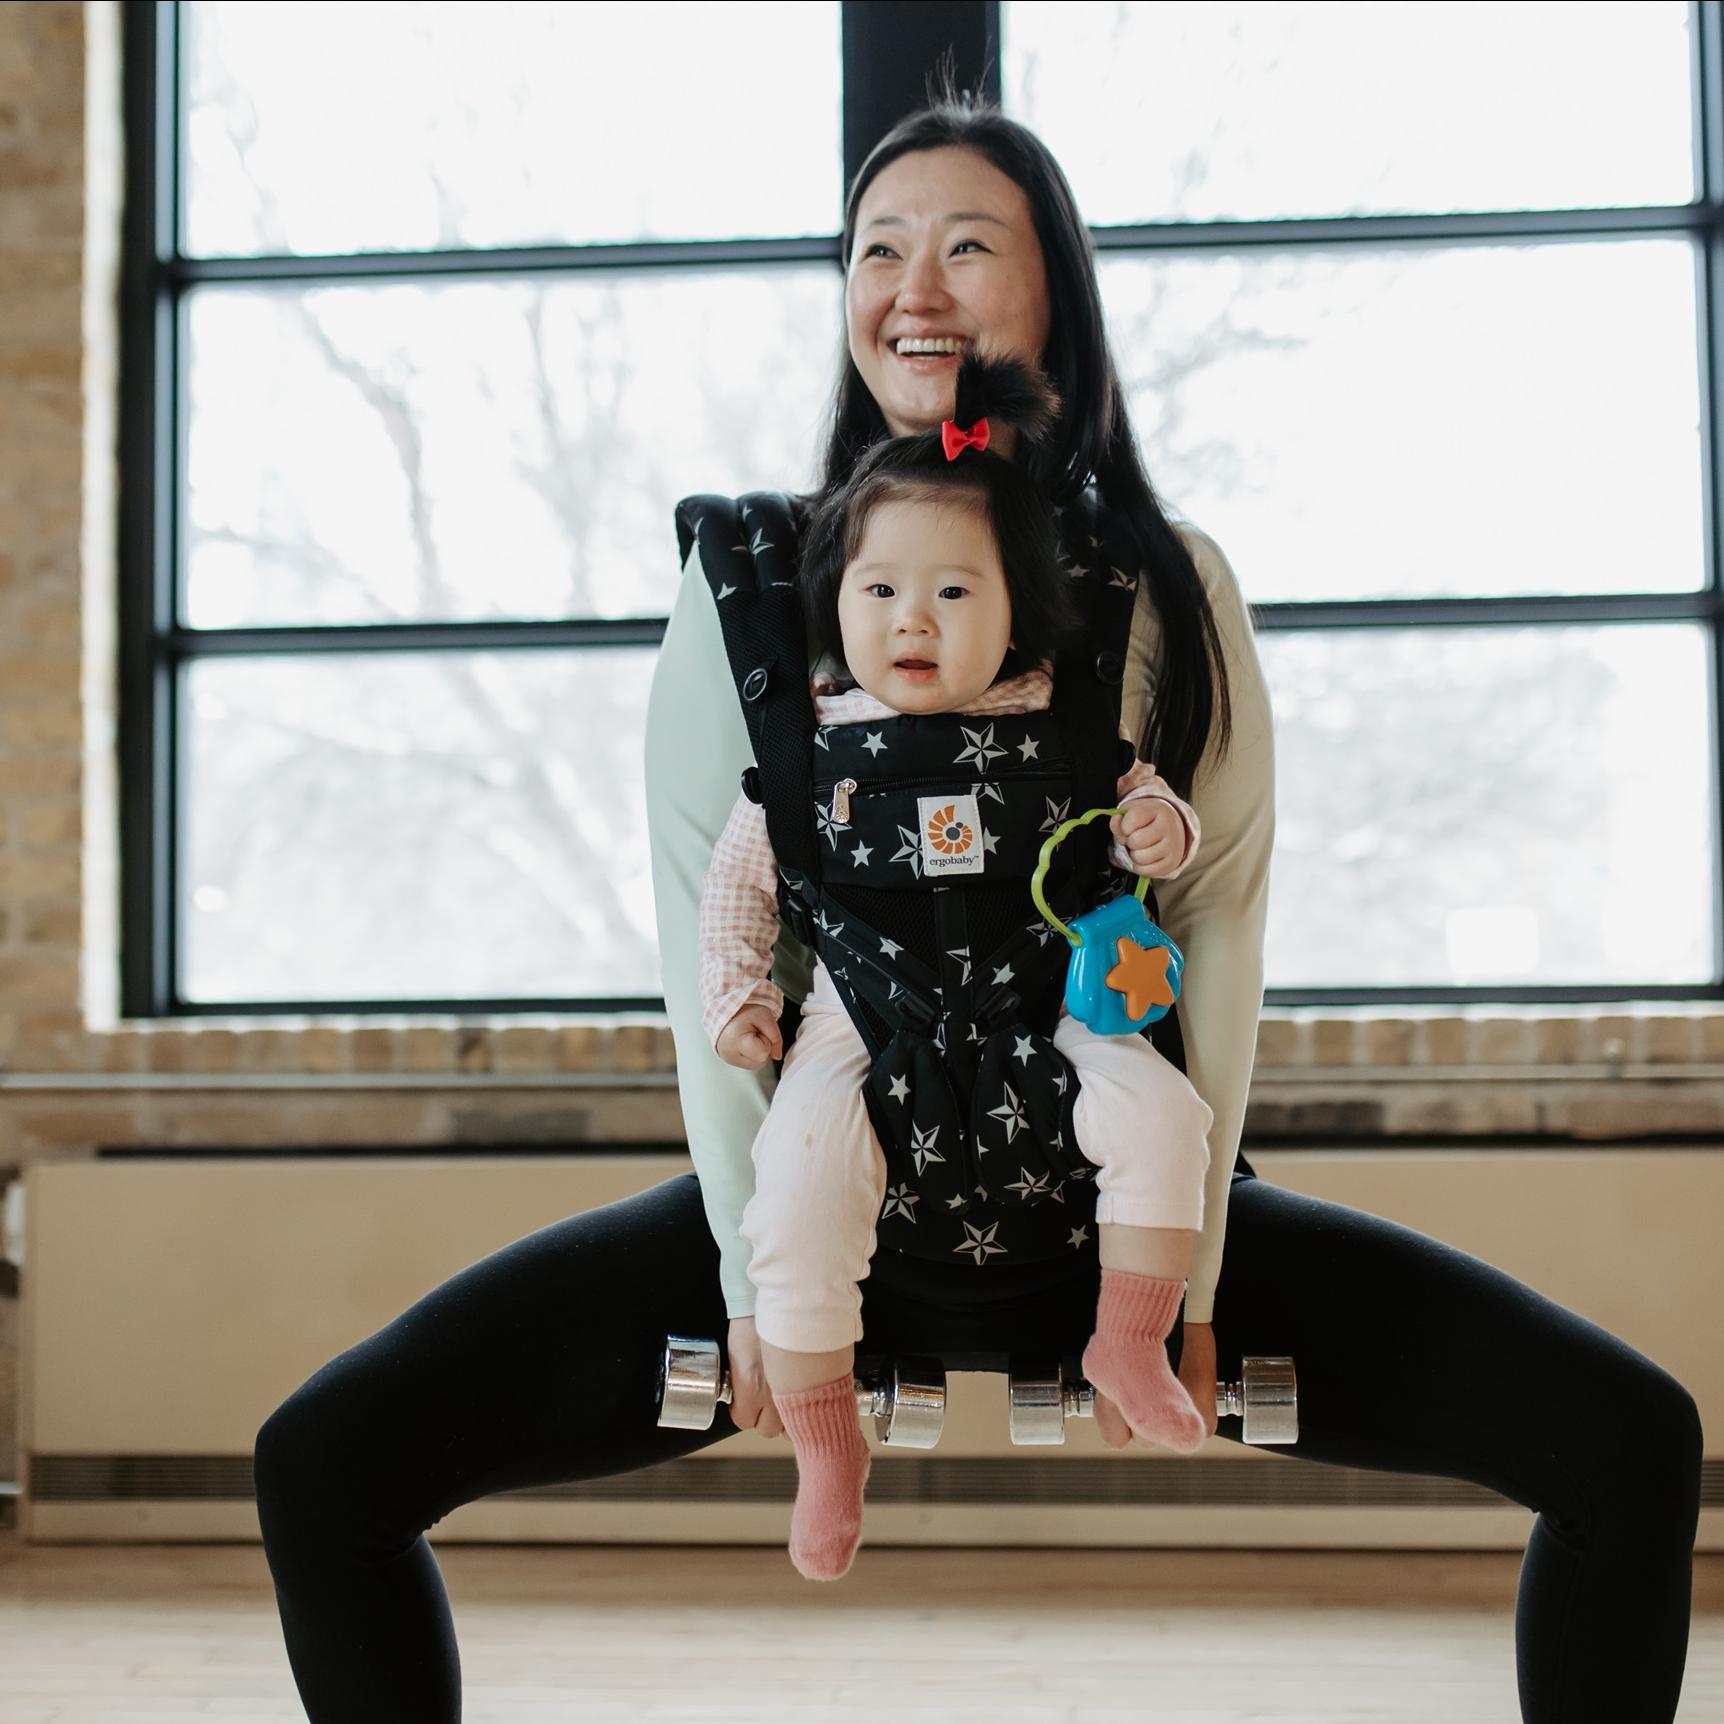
(1266, 1397)
(908, 1411)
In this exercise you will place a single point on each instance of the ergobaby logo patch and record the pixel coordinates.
(951, 829)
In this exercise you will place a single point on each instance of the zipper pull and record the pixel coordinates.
(841, 800)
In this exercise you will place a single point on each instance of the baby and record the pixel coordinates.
(933, 572)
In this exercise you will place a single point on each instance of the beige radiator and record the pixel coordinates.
(169, 1304)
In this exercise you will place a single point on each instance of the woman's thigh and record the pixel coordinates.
(535, 1365)
(1413, 1356)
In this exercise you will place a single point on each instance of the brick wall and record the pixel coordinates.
(74, 1077)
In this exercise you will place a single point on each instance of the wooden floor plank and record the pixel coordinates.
(187, 1634)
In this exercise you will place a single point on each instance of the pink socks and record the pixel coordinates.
(832, 1461)
(1127, 1361)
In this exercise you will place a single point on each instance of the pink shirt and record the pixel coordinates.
(739, 900)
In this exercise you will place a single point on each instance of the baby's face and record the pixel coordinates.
(923, 608)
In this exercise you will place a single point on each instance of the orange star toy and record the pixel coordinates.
(1141, 975)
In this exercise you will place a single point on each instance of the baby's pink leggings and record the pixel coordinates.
(820, 1178)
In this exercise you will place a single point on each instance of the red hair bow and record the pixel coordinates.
(952, 439)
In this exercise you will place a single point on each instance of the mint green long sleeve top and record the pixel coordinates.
(1216, 910)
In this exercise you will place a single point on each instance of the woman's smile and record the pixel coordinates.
(927, 353)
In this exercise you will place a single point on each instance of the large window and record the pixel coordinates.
(457, 300)
(1413, 304)
(434, 311)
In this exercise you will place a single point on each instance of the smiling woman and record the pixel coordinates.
(1413, 1356)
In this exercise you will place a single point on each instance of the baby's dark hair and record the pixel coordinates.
(1005, 391)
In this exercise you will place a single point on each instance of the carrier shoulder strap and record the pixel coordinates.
(1089, 674)
(748, 553)
(1116, 567)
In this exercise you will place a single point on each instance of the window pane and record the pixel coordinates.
(319, 127)
(1252, 112)
(1425, 421)
(455, 451)
(1491, 806)
(443, 825)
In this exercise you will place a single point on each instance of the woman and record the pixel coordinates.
(1413, 1357)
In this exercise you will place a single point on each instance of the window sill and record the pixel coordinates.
(1295, 1046)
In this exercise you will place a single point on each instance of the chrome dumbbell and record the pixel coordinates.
(907, 1412)
(1267, 1395)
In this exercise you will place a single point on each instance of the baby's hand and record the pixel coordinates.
(1153, 835)
(750, 1039)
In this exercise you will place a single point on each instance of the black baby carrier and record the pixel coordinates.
(905, 849)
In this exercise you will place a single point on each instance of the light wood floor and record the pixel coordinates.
(160, 1633)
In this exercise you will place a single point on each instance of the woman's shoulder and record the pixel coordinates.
(700, 591)
(1226, 602)
(1206, 553)
(1220, 580)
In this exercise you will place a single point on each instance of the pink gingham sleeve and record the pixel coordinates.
(739, 921)
(1143, 780)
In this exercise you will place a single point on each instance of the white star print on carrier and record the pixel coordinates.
(820, 1176)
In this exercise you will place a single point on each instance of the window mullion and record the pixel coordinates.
(891, 46)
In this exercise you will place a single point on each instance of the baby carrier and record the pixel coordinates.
(905, 849)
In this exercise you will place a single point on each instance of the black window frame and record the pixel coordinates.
(887, 47)
(1704, 220)
(884, 47)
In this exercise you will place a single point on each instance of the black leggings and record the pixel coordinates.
(537, 1365)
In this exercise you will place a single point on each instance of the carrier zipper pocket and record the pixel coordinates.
(846, 789)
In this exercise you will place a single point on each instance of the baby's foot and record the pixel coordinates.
(832, 1462)
(1126, 1360)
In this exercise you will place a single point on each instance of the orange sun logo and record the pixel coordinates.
(947, 833)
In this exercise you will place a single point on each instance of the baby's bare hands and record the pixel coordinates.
(1152, 833)
(750, 1039)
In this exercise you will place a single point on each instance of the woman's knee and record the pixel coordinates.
(283, 1475)
(1628, 1472)
(305, 1463)
(1660, 1421)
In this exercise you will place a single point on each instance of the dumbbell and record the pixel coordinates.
(907, 1412)
(1267, 1394)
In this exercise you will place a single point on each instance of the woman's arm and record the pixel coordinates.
(696, 748)
(1217, 909)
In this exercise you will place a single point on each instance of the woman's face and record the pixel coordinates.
(945, 250)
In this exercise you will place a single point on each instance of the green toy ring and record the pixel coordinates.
(1049, 844)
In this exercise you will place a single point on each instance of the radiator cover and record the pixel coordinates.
(171, 1301)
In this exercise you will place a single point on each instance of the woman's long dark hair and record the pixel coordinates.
(1093, 439)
